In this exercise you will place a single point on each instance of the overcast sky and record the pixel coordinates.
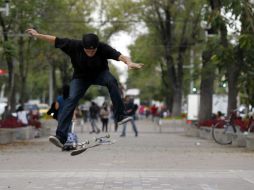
(120, 42)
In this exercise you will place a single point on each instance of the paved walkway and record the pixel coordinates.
(167, 161)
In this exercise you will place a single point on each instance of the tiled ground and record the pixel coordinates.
(163, 161)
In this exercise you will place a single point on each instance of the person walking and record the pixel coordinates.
(131, 110)
(104, 115)
(89, 59)
(93, 113)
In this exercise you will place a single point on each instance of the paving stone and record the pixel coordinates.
(166, 161)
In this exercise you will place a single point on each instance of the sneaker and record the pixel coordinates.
(56, 141)
(123, 119)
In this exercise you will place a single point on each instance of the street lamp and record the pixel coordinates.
(6, 8)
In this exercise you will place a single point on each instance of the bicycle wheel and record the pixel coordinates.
(222, 133)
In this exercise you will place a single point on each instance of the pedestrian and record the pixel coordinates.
(57, 106)
(84, 112)
(22, 116)
(104, 115)
(94, 112)
(154, 112)
(26, 119)
(89, 59)
(131, 109)
(5, 114)
(113, 118)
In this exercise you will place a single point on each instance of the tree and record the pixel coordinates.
(245, 50)
(9, 51)
(57, 17)
(230, 57)
(208, 68)
(149, 79)
(175, 25)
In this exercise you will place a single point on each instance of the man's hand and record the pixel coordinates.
(32, 32)
(129, 62)
(48, 38)
(132, 65)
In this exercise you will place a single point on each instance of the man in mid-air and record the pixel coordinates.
(89, 60)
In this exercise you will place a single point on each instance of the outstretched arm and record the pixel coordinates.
(48, 38)
(129, 62)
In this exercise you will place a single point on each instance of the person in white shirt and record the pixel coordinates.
(22, 116)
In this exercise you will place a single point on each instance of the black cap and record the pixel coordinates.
(90, 41)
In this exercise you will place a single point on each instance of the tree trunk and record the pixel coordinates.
(9, 61)
(166, 88)
(232, 89)
(170, 76)
(208, 74)
(233, 73)
(177, 97)
(178, 83)
(177, 102)
(22, 73)
(165, 29)
(206, 87)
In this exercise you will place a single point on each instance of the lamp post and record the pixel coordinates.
(6, 8)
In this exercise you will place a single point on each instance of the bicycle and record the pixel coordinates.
(222, 131)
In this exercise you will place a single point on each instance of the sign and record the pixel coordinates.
(220, 103)
(193, 107)
(133, 92)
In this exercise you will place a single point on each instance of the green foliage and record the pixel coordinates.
(9, 48)
(66, 18)
(37, 86)
(246, 41)
(147, 80)
(247, 74)
(72, 18)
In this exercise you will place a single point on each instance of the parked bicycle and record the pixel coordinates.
(221, 130)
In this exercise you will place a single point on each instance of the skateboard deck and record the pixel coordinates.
(97, 141)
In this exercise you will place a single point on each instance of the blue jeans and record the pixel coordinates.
(134, 127)
(78, 87)
(94, 125)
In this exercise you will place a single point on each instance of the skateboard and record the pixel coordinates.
(97, 141)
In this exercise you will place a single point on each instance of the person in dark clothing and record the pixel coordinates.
(131, 111)
(104, 115)
(94, 112)
(89, 59)
(57, 106)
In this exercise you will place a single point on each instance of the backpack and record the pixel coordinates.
(53, 111)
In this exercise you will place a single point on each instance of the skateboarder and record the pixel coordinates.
(89, 59)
